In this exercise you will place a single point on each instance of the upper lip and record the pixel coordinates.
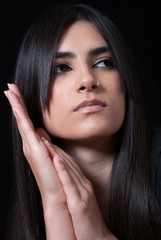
(92, 102)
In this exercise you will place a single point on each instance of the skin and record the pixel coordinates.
(71, 179)
(73, 84)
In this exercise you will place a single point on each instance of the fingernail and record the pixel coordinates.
(45, 141)
(8, 84)
(6, 93)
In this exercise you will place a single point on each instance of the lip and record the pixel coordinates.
(88, 106)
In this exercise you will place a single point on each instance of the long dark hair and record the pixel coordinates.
(132, 211)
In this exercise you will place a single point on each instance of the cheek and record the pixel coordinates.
(54, 120)
(56, 114)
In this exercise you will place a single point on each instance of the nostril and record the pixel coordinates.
(94, 86)
(82, 88)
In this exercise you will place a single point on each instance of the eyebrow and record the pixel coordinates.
(92, 52)
(96, 51)
(65, 55)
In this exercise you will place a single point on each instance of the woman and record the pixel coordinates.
(82, 159)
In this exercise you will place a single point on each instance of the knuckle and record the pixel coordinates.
(85, 199)
(82, 207)
(67, 181)
(87, 196)
(90, 186)
(31, 154)
(25, 150)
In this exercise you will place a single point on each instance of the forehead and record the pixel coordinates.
(81, 34)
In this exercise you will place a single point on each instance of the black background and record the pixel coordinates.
(138, 20)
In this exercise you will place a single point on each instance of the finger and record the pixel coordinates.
(15, 89)
(72, 169)
(70, 164)
(13, 102)
(77, 189)
(50, 147)
(43, 134)
(66, 157)
(24, 123)
(69, 186)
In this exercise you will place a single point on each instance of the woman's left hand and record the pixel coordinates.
(85, 213)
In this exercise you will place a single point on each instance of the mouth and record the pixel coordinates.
(90, 106)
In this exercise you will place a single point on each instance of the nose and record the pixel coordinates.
(87, 81)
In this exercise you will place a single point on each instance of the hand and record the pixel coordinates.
(86, 216)
(53, 196)
(35, 150)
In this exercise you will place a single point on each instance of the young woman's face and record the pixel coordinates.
(86, 99)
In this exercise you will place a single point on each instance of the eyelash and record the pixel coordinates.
(57, 68)
(108, 64)
(107, 61)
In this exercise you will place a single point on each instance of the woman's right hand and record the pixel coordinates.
(41, 163)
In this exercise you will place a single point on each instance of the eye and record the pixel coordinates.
(62, 68)
(104, 63)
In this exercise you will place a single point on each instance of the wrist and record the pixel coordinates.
(56, 216)
(49, 208)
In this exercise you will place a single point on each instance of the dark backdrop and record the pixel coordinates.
(140, 23)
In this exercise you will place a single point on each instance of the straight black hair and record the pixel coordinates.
(132, 210)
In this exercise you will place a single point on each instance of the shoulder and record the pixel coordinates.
(156, 163)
